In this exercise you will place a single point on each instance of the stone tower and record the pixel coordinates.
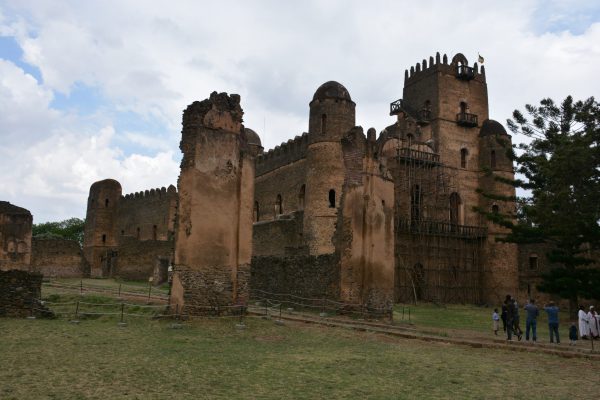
(450, 102)
(332, 115)
(501, 259)
(101, 229)
(213, 235)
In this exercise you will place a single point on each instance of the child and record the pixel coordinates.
(495, 319)
(572, 335)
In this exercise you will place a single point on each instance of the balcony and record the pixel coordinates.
(406, 154)
(466, 119)
(439, 228)
(465, 72)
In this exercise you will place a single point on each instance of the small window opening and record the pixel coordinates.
(463, 158)
(103, 238)
(154, 232)
(106, 203)
(323, 123)
(256, 212)
(122, 232)
(331, 198)
(493, 159)
(533, 261)
(495, 209)
(138, 233)
(463, 107)
(279, 205)
(301, 196)
(409, 138)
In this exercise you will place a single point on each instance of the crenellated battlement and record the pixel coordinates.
(458, 66)
(285, 153)
(150, 193)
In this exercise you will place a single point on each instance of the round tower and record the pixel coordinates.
(101, 229)
(332, 115)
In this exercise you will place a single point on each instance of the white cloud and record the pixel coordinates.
(153, 60)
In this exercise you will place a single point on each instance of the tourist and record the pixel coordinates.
(584, 328)
(516, 321)
(531, 321)
(552, 312)
(510, 314)
(592, 318)
(572, 335)
(503, 317)
(495, 319)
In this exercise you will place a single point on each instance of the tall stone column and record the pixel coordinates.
(213, 234)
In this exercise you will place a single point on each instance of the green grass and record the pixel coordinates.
(465, 320)
(136, 286)
(211, 359)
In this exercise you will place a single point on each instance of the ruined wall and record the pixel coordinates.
(15, 237)
(20, 292)
(307, 276)
(213, 237)
(287, 181)
(137, 259)
(57, 258)
(101, 232)
(279, 237)
(365, 229)
(148, 215)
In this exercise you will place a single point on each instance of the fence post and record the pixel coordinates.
(402, 313)
(408, 314)
(149, 291)
(122, 323)
(81, 287)
(119, 295)
(177, 311)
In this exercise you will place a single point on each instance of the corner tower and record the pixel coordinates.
(332, 115)
(101, 230)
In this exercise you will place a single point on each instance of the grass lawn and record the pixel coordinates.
(470, 320)
(210, 359)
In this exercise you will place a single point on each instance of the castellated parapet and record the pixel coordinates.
(213, 236)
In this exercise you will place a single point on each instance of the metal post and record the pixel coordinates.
(122, 309)
(149, 290)
(279, 310)
(402, 313)
(77, 310)
(408, 314)
(119, 295)
(177, 311)
(81, 287)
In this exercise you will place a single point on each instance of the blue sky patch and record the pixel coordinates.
(11, 51)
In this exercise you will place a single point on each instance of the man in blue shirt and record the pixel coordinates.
(531, 321)
(552, 312)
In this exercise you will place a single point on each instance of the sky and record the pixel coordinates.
(95, 89)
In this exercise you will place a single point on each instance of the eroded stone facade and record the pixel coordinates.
(15, 237)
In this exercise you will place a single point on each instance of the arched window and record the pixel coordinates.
(279, 205)
(463, 157)
(106, 203)
(323, 123)
(455, 203)
(256, 212)
(122, 232)
(103, 239)
(301, 197)
(154, 232)
(493, 159)
(331, 198)
(409, 138)
(138, 233)
(495, 209)
(427, 105)
(416, 199)
(463, 107)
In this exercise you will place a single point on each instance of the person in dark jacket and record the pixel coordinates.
(503, 317)
(510, 316)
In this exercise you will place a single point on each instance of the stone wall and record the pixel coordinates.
(137, 259)
(148, 215)
(19, 293)
(57, 258)
(282, 236)
(305, 276)
(15, 237)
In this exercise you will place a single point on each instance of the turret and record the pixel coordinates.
(332, 115)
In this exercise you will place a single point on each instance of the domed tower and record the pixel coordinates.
(253, 141)
(500, 260)
(101, 229)
(332, 115)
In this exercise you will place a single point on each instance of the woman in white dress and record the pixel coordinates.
(584, 328)
(593, 322)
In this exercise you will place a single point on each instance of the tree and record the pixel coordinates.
(560, 166)
(71, 228)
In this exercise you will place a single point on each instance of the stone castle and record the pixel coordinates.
(363, 218)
